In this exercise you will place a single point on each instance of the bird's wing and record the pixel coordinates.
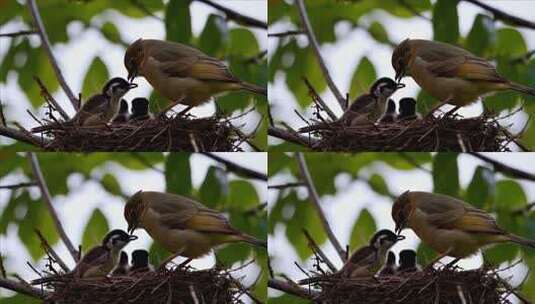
(363, 256)
(199, 67)
(94, 103)
(463, 66)
(178, 212)
(477, 221)
(96, 256)
(362, 104)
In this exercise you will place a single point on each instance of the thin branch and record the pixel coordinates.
(38, 175)
(313, 194)
(237, 169)
(237, 17)
(46, 45)
(3, 121)
(22, 136)
(287, 185)
(318, 100)
(19, 33)
(46, 246)
(2, 268)
(144, 9)
(22, 288)
(19, 185)
(286, 33)
(315, 248)
(505, 169)
(413, 10)
(292, 289)
(503, 16)
(315, 46)
(291, 137)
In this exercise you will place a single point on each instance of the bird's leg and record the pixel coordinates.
(452, 111)
(172, 105)
(169, 259)
(438, 258)
(450, 264)
(186, 262)
(435, 108)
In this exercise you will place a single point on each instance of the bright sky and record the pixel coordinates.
(343, 57)
(343, 208)
(76, 56)
(74, 215)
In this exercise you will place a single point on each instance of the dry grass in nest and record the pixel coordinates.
(447, 285)
(166, 287)
(161, 134)
(450, 133)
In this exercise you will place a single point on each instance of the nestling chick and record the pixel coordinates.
(366, 261)
(98, 261)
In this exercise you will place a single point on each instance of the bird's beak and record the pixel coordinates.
(130, 229)
(399, 75)
(131, 75)
(398, 229)
(400, 238)
(132, 237)
(400, 86)
(132, 85)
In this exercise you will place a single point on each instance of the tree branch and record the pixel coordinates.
(19, 33)
(503, 16)
(22, 288)
(32, 6)
(292, 289)
(237, 169)
(314, 44)
(38, 175)
(49, 99)
(314, 197)
(291, 137)
(22, 136)
(237, 17)
(286, 33)
(19, 185)
(51, 251)
(505, 169)
(287, 185)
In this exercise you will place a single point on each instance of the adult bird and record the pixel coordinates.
(366, 261)
(99, 260)
(451, 74)
(365, 109)
(448, 225)
(181, 225)
(181, 73)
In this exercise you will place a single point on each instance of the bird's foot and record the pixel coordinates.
(452, 263)
(451, 112)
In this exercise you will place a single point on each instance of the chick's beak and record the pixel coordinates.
(400, 86)
(132, 85)
(400, 238)
(132, 237)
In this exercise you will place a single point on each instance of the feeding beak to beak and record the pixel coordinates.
(399, 75)
(400, 237)
(132, 85)
(400, 86)
(132, 75)
(132, 237)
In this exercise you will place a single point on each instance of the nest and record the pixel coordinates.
(447, 133)
(446, 285)
(167, 287)
(161, 134)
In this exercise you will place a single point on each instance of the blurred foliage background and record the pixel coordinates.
(24, 210)
(368, 181)
(219, 38)
(291, 58)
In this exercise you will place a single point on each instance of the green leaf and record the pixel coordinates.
(95, 230)
(510, 43)
(242, 195)
(233, 253)
(378, 32)
(500, 253)
(509, 195)
(178, 21)
(215, 36)
(243, 43)
(446, 21)
(178, 173)
(425, 254)
(109, 30)
(110, 183)
(157, 253)
(214, 187)
(19, 299)
(482, 188)
(363, 229)
(446, 174)
(378, 184)
(482, 36)
(95, 78)
(362, 78)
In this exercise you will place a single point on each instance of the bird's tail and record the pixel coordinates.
(252, 240)
(253, 88)
(522, 241)
(522, 88)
